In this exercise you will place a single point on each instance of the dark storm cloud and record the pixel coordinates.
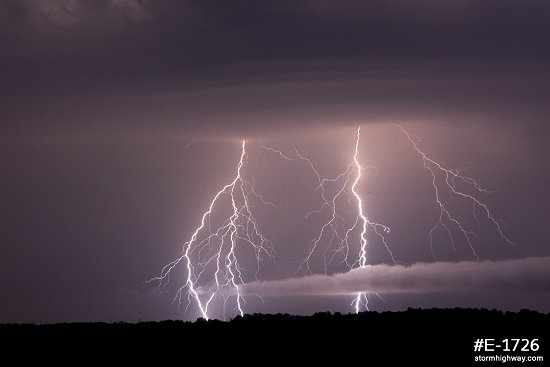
(520, 275)
(72, 12)
(246, 67)
(120, 86)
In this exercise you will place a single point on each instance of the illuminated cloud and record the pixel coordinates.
(528, 274)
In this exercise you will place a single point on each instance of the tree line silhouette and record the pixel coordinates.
(441, 336)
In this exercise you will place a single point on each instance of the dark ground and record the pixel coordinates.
(416, 337)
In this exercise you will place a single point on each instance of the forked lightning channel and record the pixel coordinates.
(445, 179)
(343, 245)
(211, 255)
(217, 248)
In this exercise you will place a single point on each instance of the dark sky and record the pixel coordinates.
(99, 99)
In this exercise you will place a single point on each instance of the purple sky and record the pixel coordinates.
(100, 98)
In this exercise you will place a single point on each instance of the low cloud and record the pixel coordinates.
(528, 274)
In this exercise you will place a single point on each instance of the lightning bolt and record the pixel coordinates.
(450, 177)
(218, 248)
(211, 255)
(335, 228)
(364, 225)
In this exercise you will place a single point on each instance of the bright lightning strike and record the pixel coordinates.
(210, 250)
(446, 219)
(211, 255)
(364, 220)
(335, 229)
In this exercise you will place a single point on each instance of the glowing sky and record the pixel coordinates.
(99, 100)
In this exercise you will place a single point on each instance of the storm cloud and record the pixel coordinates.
(523, 275)
(98, 99)
(247, 68)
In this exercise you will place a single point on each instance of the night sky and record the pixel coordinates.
(121, 119)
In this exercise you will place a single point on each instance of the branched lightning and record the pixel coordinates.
(218, 248)
(365, 223)
(211, 255)
(450, 178)
(335, 229)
